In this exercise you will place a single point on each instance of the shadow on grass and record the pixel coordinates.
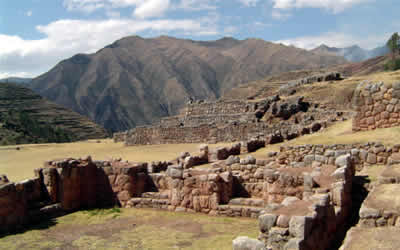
(359, 194)
(42, 225)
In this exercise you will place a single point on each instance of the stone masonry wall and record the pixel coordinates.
(227, 121)
(377, 106)
(302, 193)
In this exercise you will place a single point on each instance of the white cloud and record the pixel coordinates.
(333, 5)
(335, 39)
(280, 15)
(65, 38)
(249, 2)
(151, 8)
(87, 6)
(142, 8)
(196, 5)
(29, 13)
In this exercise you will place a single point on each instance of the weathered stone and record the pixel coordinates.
(371, 158)
(246, 243)
(300, 226)
(343, 161)
(267, 221)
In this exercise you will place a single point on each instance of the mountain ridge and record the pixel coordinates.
(135, 81)
(352, 53)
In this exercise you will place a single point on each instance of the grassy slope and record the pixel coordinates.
(133, 229)
(16, 97)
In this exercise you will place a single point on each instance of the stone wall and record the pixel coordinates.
(228, 121)
(290, 87)
(302, 193)
(377, 106)
(16, 199)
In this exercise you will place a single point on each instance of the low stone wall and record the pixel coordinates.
(377, 106)
(16, 199)
(290, 87)
(309, 222)
(363, 154)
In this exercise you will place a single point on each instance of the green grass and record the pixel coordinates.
(134, 229)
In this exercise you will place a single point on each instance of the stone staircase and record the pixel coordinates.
(158, 200)
(242, 207)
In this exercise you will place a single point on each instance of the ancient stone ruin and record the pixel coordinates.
(291, 87)
(301, 195)
(229, 121)
(377, 106)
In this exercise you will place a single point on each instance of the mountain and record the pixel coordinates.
(26, 117)
(18, 80)
(135, 81)
(353, 53)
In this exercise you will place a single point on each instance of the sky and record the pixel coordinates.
(37, 34)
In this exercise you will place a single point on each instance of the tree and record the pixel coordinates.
(393, 44)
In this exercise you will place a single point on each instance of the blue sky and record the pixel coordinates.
(36, 34)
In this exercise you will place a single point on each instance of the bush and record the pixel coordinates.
(392, 65)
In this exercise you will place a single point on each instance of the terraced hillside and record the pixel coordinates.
(26, 117)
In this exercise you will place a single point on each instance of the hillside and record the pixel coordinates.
(271, 84)
(26, 117)
(353, 53)
(135, 81)
(18, 80)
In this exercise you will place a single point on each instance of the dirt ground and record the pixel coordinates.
(133, 229)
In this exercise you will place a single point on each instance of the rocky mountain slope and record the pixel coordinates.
(353, 53)
(135, 81)
(26, 117)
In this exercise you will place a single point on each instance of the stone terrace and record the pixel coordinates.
(229, 121)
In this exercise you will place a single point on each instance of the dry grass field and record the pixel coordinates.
(19, 164)
(133, 229)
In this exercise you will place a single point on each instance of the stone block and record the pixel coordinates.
(266, 222)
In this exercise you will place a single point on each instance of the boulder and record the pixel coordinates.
(267, 221)
(246, 243)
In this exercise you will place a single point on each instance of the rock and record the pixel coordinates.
(289, 200)
(300, 226)
(294, 244)
(340, 174)
(232, 160)
(266, 222)
(371, 158)
(369, 213)
(308, 159)
(246, 243)
(309, 183)
(175, 172)
(248, 160)
(343, 161)
(316, 127)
